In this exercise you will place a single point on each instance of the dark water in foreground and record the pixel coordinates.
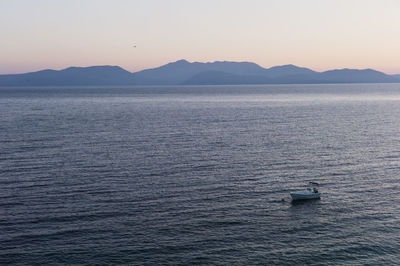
(196, 175)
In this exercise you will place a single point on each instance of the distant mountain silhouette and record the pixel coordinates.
(180, 71)
(223, 78)
(95, 75)
(354, 75)
(184, 72)
(288, 70)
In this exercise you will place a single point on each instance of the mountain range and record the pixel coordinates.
(183, 72)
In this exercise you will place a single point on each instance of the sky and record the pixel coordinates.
(318, 34)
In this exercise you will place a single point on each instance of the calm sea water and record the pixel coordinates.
(195, 175)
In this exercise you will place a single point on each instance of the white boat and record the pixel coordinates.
(310, 193)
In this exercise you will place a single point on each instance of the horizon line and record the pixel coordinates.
(193, 62)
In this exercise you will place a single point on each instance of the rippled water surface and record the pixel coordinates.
(185, 175)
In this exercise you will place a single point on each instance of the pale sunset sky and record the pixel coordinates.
(318, 34)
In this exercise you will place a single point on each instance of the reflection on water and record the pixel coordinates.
(185, 175)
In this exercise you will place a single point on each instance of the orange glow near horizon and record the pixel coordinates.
(320, 35)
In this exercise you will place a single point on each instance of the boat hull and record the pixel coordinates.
(304, 195)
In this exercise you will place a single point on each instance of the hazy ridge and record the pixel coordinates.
(183, 72)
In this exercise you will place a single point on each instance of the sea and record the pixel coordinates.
(200, 175)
